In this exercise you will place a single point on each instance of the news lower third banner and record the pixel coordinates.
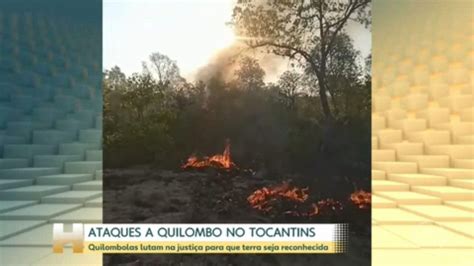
(202, 238)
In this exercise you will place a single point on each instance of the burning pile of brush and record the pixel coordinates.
(292, 201)
(219, 161)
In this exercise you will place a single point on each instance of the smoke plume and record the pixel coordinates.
(226, 61)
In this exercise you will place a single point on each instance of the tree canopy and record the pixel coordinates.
(306, 31)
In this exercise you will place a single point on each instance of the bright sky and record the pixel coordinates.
(188, 31)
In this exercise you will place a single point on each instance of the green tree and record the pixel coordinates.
(343, 74)
(115, 78)
(249, 74)
(291, 86)
(295, 29)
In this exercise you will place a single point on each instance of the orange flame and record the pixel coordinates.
(222, 161)
(328, 205)
(361, 199)
(262, 199)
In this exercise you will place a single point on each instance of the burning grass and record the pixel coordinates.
(361, 199)
(262, 199)
(284, 198)
(291, 200)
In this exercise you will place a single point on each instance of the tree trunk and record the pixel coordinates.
(324, 99)
(322, 89)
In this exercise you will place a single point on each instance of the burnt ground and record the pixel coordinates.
(145, 195)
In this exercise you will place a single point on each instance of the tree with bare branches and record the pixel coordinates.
(165, 69)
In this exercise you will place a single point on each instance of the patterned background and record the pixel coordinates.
(422, 133)
(50, 126)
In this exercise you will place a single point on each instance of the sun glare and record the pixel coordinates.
(214, 40)
(190, 32)
(205, 47)
(227, 38)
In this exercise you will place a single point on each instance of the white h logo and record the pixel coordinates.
(76, 237)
